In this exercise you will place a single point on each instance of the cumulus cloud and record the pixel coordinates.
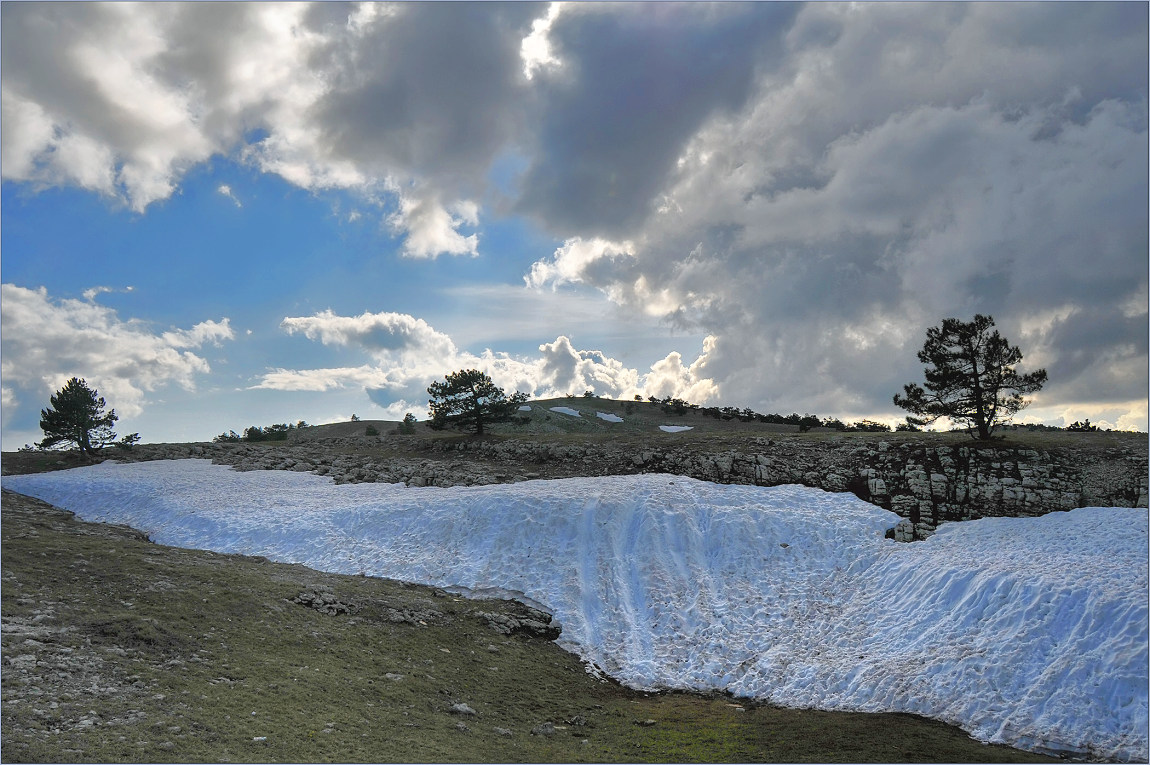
(123, 99)
(380, 334)
(902, 164)
(89, 107)
(409, 354)
(574, 259)
(636, 82)
(810, 185)
(46, 341)
(563, 368)
(432, 229)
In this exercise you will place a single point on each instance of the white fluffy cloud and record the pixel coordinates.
(409, 354)
(575, 258)
(810, 185)
(383, 335)
(47, 341)
(89, 105)
(432, 229)
(122, 99)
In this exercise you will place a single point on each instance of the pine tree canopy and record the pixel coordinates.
(970, 378)
(76, 417)
(469, 399)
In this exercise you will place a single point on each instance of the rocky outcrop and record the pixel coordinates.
(531, 622)
(324, 601)
(927, 479)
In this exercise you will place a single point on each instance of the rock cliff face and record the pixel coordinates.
(927, 480)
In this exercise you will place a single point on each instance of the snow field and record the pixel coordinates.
(1027, 631)
(566, 410)
(675, 428)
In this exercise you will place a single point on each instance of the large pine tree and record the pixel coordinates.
(469, 399)
(76, 417)
(970, 378)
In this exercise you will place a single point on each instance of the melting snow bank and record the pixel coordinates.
(675, 428)
(565, 410)
(1026, 631)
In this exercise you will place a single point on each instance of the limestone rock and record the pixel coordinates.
(322, 600)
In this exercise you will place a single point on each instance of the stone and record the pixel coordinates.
(462, 709)
(534, 623)
(322, 600)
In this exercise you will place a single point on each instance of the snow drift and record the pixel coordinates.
(1026, 631)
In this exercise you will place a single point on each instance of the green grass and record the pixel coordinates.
(190, 656)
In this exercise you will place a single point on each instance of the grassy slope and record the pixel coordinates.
(177, 655)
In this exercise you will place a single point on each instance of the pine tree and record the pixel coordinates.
(468, 399)
(76, 417)
(970, 378)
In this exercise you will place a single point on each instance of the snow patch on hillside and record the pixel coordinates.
(675, 428)
(608, 417)
(565, 410)
(1027, 631)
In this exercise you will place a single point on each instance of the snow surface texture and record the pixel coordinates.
(675, 428)
(565, 410)
(608, 417)
(1027, 631)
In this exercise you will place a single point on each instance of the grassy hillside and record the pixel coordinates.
(641, 421)
(539, 419)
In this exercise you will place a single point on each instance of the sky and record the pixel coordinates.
(233, 214)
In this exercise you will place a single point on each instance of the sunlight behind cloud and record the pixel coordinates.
(536, 48)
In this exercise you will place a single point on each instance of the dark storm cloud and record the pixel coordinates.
(434, 90)
(635, 83)
(907, 163)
